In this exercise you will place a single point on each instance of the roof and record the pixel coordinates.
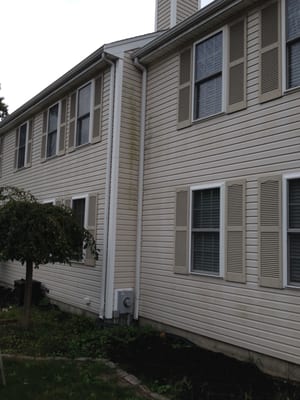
(204, 20)
(97, 61)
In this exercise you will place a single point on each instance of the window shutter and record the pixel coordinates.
(96, 134)
(235, 261)
(62, 129)
(44, 136)
(67, 202)
(72, 127)
(1, 154)
(237, 66)
(185, 89)
(181, 264)
(270, 54)
(269, 232)
(17, 148)
(91, 227)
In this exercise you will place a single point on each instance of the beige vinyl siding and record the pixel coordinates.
(262, 140)
(163, 14)
(128, 177)
(185, 8)
(76, 173)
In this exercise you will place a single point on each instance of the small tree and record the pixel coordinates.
(3, 108)
(35, 234)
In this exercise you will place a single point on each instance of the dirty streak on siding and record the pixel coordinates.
(128, 176)
(262, 139)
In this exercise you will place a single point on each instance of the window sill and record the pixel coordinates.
(289, 286)
(197, 121)
(296, 89)
(81, 146)
(206, 275)
(22, 168)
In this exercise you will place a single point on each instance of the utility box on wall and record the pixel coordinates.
(124, 299)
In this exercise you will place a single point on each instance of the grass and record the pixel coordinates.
(167, 364)
(67, 380)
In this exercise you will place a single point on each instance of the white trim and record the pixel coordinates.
(57, 130)
(114, 191)
(224, 31)
(26, 145)
(107, 190)
(49, 201)
(285, 179)
(84, 196)
(283, 45)
(173, 13)
(221, 186)
(92, 94)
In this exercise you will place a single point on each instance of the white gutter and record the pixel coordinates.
(107, 185)
(140, 191)
(112, 223)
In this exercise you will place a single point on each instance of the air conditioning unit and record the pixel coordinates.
(124, 299)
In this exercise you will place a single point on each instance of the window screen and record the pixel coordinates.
(52, 130)
(22, 146)
(206, 231)
(294, 231)
(78, 206)
(293, 42)
(208, 76)
(83, 115)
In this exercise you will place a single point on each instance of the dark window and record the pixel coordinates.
(208, 76)
(83, 115)
(206, 231)
(22, 145)
(293, 42)
(52, 130)
(294, 231)
(78, 206)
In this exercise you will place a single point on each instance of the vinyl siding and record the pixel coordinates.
(185, 8)
(263, 139)
(128, 176)
(163, 18)
(79, 172)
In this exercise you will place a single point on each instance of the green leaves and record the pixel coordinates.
(39, 233)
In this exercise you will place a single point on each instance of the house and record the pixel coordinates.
(180, 151)
(220, 248)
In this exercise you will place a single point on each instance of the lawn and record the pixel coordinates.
(63, 380)
(167, 364)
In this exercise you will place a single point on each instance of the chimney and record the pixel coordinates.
(171, 12)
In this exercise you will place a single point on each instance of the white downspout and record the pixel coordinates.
(140, 190)
(112, 223)
(108, 185)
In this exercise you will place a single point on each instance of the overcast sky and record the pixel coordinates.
(43, 39)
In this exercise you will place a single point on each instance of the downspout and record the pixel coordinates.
(107, 184)
(140, 189)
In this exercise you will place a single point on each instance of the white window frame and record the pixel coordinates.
(57, 129)
(221, 186)
(284, 49)
(26, 145)
(80, 197)
(49, 201)
(92, 83)
(224, 31)
(286, 178)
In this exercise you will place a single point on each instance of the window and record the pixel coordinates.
(206, 231)
(52, 134)
(83, 115)
(293, 231)
(22, 145)
(293, 43)
(78, 207)
(208, 91)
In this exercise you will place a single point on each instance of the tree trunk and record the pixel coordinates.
(27, 294)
